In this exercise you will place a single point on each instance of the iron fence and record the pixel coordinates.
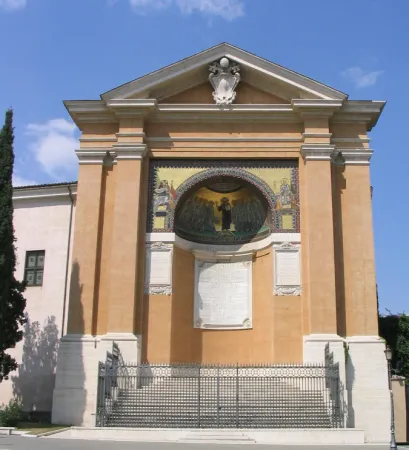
(218, 396)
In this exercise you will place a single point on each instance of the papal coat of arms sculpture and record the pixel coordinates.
(224, 77)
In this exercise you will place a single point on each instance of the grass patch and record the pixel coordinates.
(39, 428)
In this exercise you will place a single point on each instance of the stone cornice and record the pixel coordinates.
(360, 111)
(130, 151)
(356, 157)
(318, 152)
(131, 107)
(337, 111)
(92, 156)
(316, 108)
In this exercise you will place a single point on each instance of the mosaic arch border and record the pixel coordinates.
(233, 168)
(232, 172)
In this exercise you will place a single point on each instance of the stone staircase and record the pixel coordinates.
(177, 402)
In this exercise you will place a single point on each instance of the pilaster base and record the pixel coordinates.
(75, 393)
(314, 346)
(368, 388)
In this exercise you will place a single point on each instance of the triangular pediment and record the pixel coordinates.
(245, 94)
(187, 81)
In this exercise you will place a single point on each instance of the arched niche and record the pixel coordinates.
(223, 207)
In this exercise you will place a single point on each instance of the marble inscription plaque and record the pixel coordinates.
(223, 295)
(287, 269)
(159, 268)
(158, 278)
(288, 273)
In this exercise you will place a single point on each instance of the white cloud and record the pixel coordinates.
(361, 78)
(21, 181)
(226, 9)
(53, 147)
(12, 5)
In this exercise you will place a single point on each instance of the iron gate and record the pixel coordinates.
(218, 396)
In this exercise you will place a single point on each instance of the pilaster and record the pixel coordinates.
(358, 244)
(320, 238)
(126, 283)
(83, 301)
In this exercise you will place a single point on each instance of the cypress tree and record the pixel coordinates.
(12, 302)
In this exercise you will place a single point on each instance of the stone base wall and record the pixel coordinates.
(75, 393)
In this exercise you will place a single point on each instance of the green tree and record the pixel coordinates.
(402, 346)
(12, 302)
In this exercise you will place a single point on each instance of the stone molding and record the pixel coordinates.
(225, 251)
(318, 152)
(356, 157)
(92, 156)
(130, 151)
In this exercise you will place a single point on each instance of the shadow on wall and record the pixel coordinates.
(350, 375)
(34, 383)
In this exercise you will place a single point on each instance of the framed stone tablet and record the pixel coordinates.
(158, 277)
(287, 269)
(223, 295)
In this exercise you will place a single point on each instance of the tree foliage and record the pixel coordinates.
(12, 302)
(394, 328)
(402, 346)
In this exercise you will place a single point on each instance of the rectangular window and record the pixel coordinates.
(34, 268)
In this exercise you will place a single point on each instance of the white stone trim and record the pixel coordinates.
(92, 156)
(356, 157)
(223, 250)
(130, 151)
(317, 152)
(322, 104)
(293, 288)
(163, 284)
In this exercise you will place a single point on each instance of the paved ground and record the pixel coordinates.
(21, 443)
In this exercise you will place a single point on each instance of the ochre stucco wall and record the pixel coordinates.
(169, 335)
(336, 240)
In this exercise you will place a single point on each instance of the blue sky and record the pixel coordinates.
(53, 50)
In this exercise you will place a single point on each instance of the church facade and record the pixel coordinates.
(223, 215)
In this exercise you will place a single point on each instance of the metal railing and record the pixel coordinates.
(218, 396)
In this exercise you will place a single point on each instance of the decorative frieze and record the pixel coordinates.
(287, 269)
(158, 278)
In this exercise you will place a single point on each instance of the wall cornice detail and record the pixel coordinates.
(318, 152)
(356, 157)
(92, 156)
(130, 151)
(222, 251)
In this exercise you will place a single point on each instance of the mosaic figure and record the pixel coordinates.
(161, 196)
(285, 194)
(225, 209)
